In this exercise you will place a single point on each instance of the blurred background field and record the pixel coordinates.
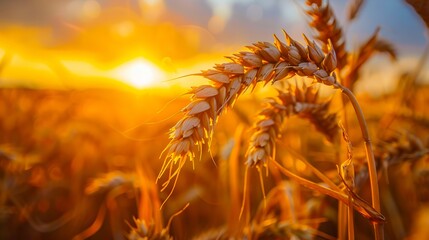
(89, 92)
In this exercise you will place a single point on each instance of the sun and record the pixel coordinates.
(139, 73)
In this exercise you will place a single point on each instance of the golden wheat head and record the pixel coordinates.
(323, 20)
(263, 62)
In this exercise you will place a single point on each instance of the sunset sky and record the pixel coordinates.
(111, 39)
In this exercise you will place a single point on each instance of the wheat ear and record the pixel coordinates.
(264, 62)
(401, 147)
(373, 45)
(354, 9)
(323, 20)
(422, 9)
(302, 101)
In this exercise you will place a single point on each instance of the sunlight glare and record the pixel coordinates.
(139, 73)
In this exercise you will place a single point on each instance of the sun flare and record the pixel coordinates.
(139, 73)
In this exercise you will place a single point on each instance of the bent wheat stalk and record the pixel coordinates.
(372, 170)
(360, 205)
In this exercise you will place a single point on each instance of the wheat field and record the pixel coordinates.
(275, 143)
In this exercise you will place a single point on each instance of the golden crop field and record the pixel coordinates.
(133, 130)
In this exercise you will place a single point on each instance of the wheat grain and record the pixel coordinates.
(264, 62)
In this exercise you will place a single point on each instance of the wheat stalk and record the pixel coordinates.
(302, 101)
(324, 21)
(328, 29)
(421, 179)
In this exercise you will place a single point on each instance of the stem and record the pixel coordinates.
(340, 196)
(358, 204)
(351, 225)
(393, 211)
(342, 220)
(378, 228)
(4, 60)
(316, 171)
(342, 208)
